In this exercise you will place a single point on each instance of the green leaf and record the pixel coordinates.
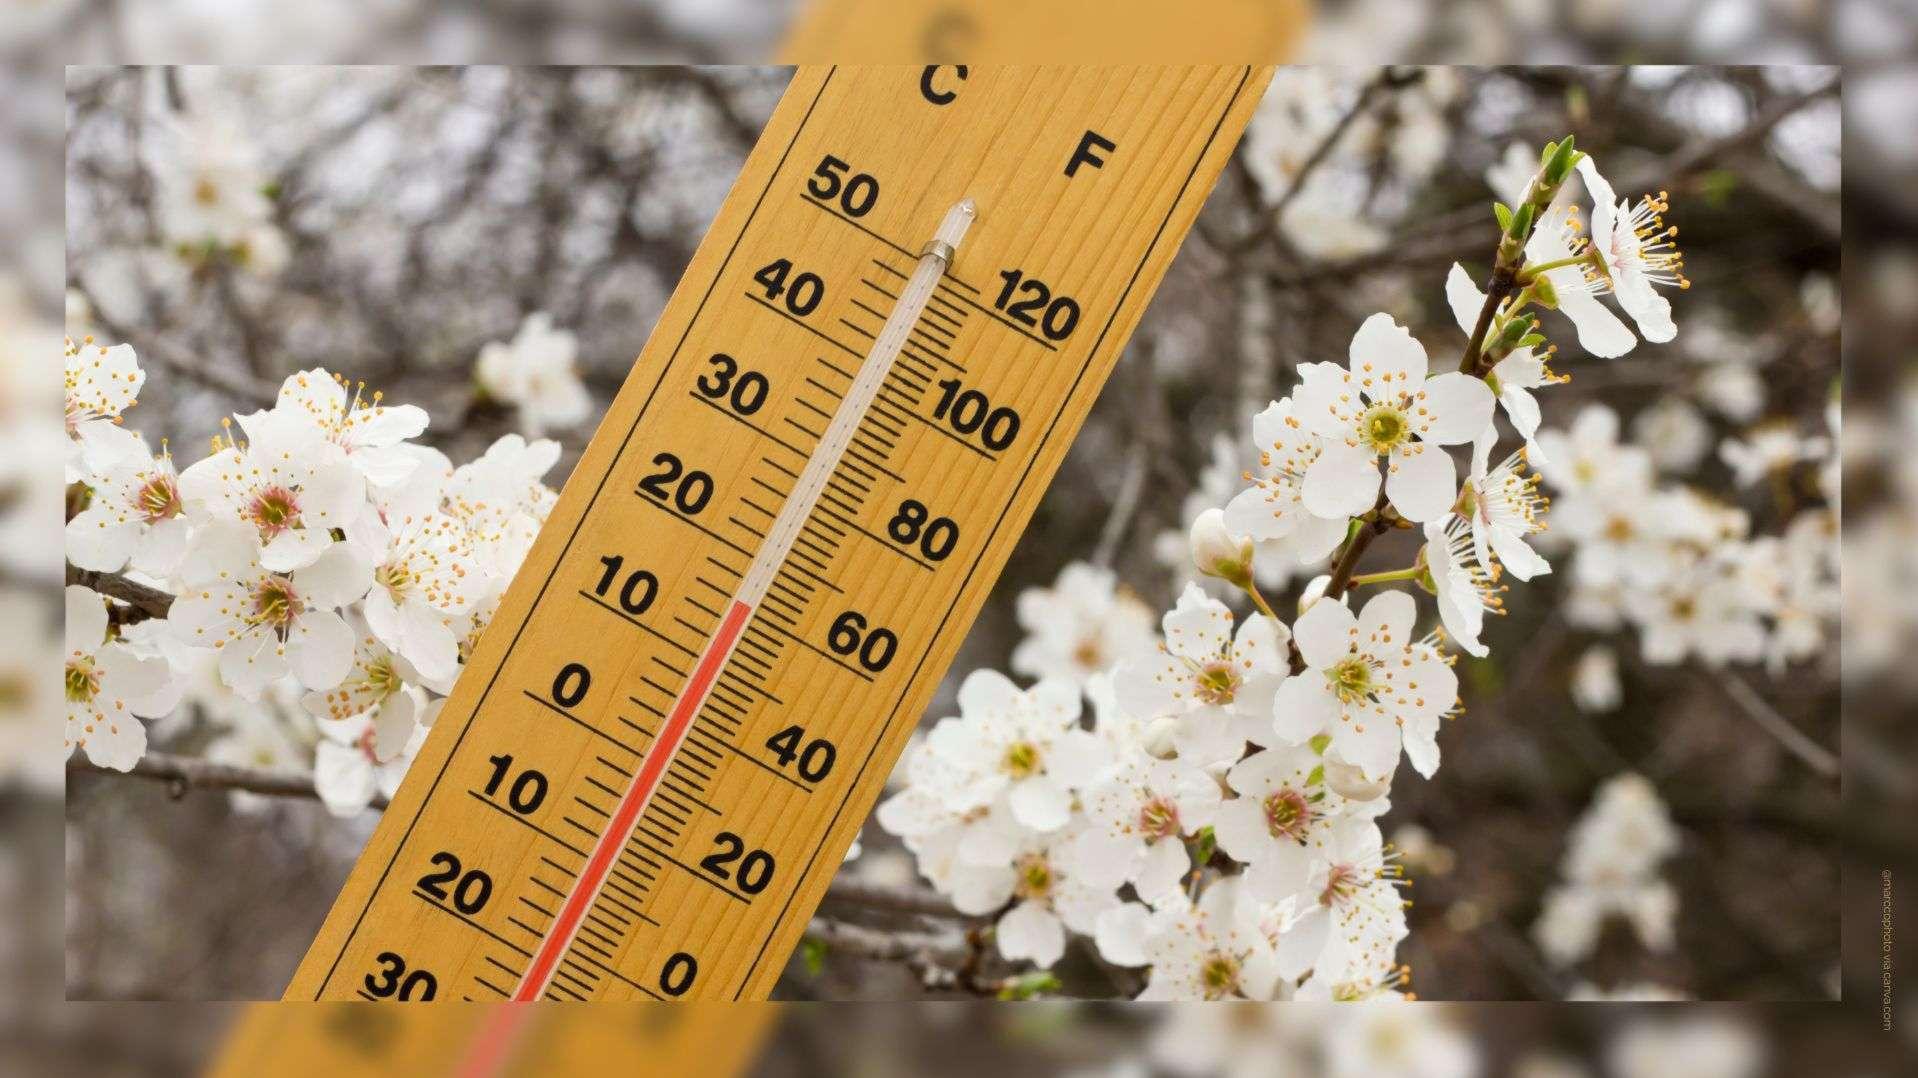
(1319, 743)
(1560, 164)
(1531, 340)
(1546, 157)
(1203, 845)
(1504, 214)
(1522, 221)
(813, 953)
(1028, 985)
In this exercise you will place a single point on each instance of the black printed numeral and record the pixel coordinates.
(527, 790)
(673, 484)
(1054, 316)
(856, 191)
(914, 525)
(469, 891)
(802, 291)
(636, 595)
(744, 390)
(398, 982)
(850, 636)
(969, 411)
(755, 869)
(812, 758)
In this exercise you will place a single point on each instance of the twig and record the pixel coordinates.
(1387, 79)
(188, 773)
(183, 774)
(898, 899)
(933, 957)
(149, 602)
(1769, 720)
(1124, 507)
(242, 387)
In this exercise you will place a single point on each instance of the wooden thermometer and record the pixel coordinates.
(769, 553)
(298, 1040)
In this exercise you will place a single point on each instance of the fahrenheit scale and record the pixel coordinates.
(770, 551)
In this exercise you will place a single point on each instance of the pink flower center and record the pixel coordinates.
(1217, 682)
(158, 499)
(1159, 818)
(1288, 814)
(275, 604)
(1341, 885)
(274, 510)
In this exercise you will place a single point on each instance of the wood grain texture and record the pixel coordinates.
(323, 1041)
(669, 926)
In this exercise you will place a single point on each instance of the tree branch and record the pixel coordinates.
(896, 899)
(1815, 756)
(184, 774)
(146, 602)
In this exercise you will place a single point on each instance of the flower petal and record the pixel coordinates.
(1458, 405)
(1030, 931)
(1422, 483)
(1324, 633)
(86, 620)
(1387, 619)
(1383, 348)
(1304, 708)
(1343, 482)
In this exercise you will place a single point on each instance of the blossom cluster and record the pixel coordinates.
(327, 575)
(1611, 870)
(1215, 818)
(1682, 568)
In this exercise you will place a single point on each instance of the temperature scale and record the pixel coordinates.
(770, 551)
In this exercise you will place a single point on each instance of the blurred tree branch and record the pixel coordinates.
(184, 774)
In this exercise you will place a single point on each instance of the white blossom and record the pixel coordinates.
(1367, 685)
(285, 482)
(101, 384)
(1024, 744)
(108, 688)
(1595, 685)
(1383, 405)
(371, 433)
(1354, 917)
(352, 762)
(1514, 377)
(1278, 820)
(1637, 252)
(1273, 507)
(1465, 587)
(1503, 508)
(266, 623)
(134, 514)
(1212, 949)
(1217, 686)
(1080, 625)
(536, 373)
(1769, 449)
(1140, 815)
(375, 689)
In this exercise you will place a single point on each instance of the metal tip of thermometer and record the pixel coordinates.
(951, 231)
(772, 554)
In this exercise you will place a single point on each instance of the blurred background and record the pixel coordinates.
(416, 217)
(1880, 287)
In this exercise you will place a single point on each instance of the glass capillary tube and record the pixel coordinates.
(778, 543)
(852, 410)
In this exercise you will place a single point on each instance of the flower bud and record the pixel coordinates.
(1158, 739)
(1217, 552)
(1349, 782)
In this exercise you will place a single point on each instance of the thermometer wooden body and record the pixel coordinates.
(770, 551)
(503, 1040)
